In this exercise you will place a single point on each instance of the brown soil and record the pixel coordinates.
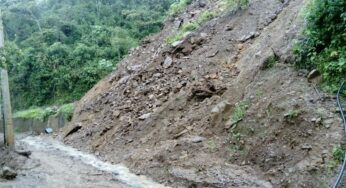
(171, 121)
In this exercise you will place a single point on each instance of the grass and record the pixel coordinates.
(35, 113)
(41, 114)
(67, 110)
(338, 153)
(230, 5)
(271, 61)
(178, 7)
(189, 27)
(235, 136)
(292, 114)
(234, 4)
(238, 113)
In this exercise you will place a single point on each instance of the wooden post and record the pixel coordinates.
(6, 101)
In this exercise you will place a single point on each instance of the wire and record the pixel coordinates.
(342, 170)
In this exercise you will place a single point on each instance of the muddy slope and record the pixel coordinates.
(168, 112)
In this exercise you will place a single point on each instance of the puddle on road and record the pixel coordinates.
(119, 171)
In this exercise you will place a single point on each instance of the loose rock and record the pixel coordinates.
(8, 173)
(144, 116)
(168, 62)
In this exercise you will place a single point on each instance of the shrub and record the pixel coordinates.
(67, 110)
(323, 42)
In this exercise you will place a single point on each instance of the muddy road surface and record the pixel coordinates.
(54, 165)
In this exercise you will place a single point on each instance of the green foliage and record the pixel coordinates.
(229, 5)
(271, 61)
(57, 50)
(40, 114)
(323, 45)
(189, 27)
(293, 114)
(67, 110)
(338, 154)
(238, 113)
(179, 6)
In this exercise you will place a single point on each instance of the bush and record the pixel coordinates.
(67, 110)
(323, 45)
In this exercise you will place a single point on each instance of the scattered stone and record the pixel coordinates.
(116, 113)
(316, 120)
(134, 68)
(74, 129)
(48, 130)
(157, 75)
(240, 46)
(229, 28)
(8, 173)
(168, 62)
(337, 110)
(197, 139)
(144, 116)
(202, 3)
(313, 74)
(204, 35)
(178, 23)
(124, 79)
(180, 134)
(328, 122)
(303, 72)
(177, 43)
(251, 35)
(24, 153)
(306, 147)
(221, 107)
(324, 156)
(212, 53)
(146, 41)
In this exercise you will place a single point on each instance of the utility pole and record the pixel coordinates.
(5, 91)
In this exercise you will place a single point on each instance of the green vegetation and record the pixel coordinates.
(271, 62)
(234, 4)
(323, 45)
(67, 110)
(56, 50)
(235, 137)
(41, 114)
(189, 27)
(293, 114)
(179, 6)
(238, 113)
(338, 154)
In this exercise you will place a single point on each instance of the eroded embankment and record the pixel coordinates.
(222, 108)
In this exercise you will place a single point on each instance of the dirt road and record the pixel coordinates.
(52, 164)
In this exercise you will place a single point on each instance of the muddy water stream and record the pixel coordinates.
(53, 164)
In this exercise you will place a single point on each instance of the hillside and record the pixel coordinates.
(224, 107)
(57, 50)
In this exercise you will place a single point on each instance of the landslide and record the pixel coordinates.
(224, 107)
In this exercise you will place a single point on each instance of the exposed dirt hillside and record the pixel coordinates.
(222, 108)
